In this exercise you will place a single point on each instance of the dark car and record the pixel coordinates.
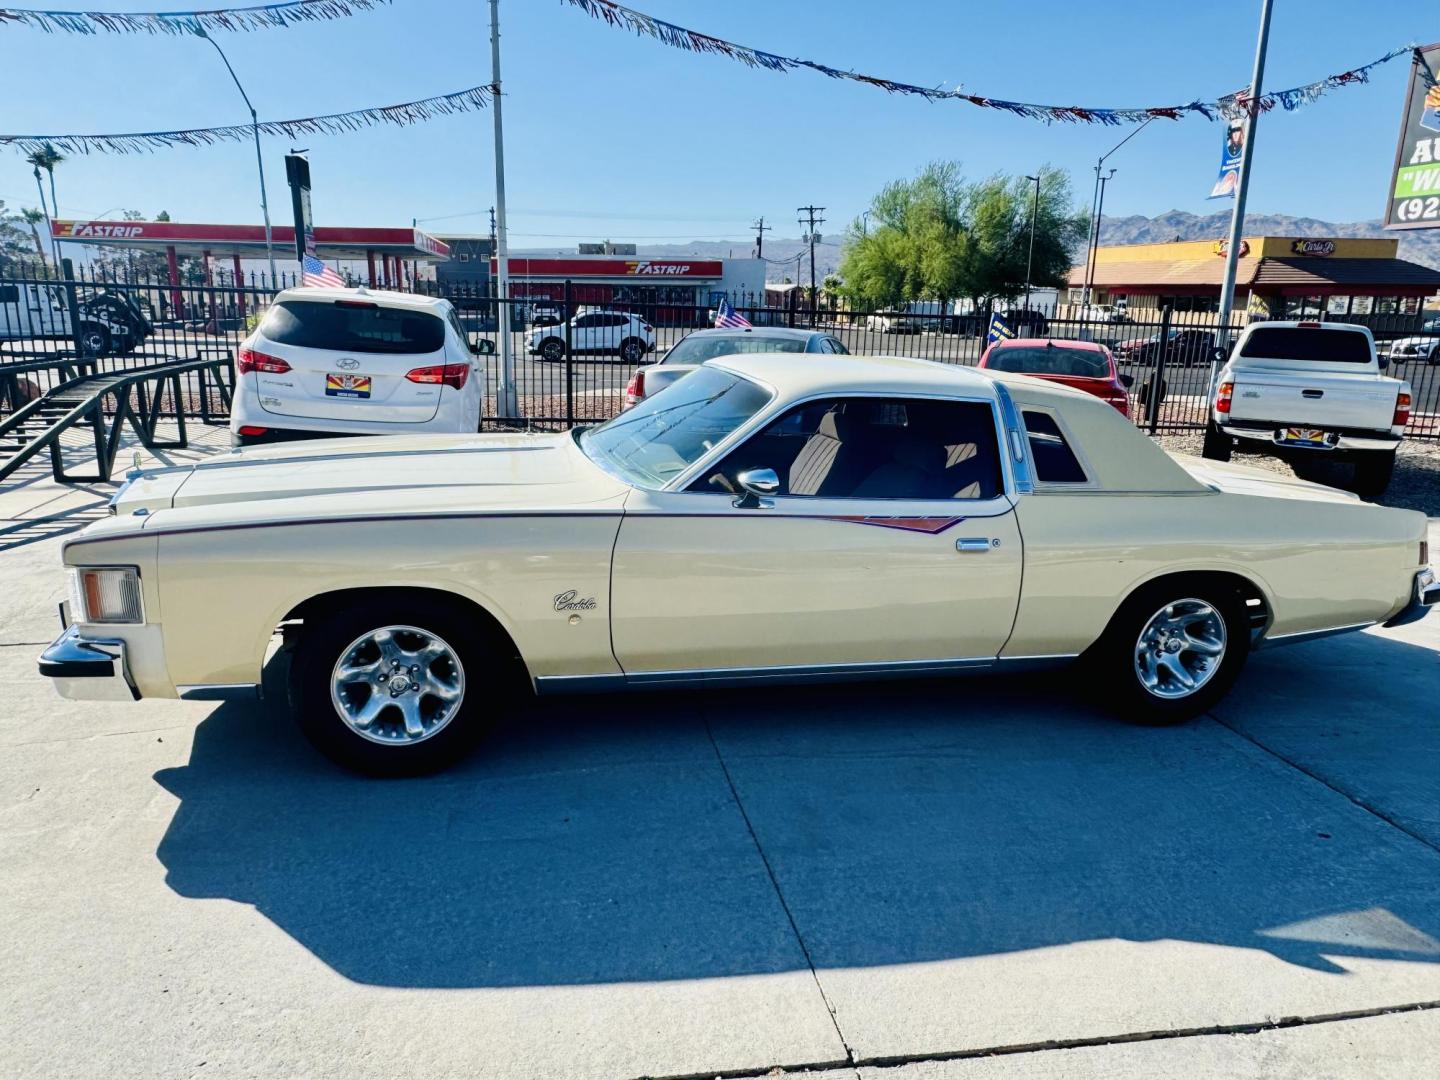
(1181, 347)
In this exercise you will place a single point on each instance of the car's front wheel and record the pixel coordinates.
(94, 340)
(552, 349)
(1172, 650)
(396, 687)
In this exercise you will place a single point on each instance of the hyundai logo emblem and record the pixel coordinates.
(348, 364)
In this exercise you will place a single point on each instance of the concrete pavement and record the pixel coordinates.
(944, 881)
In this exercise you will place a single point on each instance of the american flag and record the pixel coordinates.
(725, 315)
(315, 272)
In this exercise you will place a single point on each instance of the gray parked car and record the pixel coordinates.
(704, 345)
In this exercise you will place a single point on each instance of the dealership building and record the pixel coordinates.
(1277, 277)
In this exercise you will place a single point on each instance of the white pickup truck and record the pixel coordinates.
(1305, 389)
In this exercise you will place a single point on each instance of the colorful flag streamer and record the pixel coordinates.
(186, 22)
(1229, 106)
(130, 142)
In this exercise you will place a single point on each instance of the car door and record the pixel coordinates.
(582, 332)
(890, 544)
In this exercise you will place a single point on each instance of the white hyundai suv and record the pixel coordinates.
(616, 332)
(327, 362)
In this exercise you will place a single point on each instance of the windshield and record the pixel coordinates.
(1050, 360)
(666, 434)
(697, 348)
(348, 326)
(1307, 343)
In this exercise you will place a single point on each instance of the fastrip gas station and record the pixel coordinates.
(392, 257)
(676, 290)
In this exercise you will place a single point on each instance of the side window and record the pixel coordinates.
(586, 320)
(1055, 462)
(9, 294)
(617, 320)
(873, 448)
(836, 346)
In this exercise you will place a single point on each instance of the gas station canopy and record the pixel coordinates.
(248, 241)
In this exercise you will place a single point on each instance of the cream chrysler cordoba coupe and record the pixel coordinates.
(768, 518)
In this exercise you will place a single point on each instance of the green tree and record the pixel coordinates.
(938, 236)
(47, 157)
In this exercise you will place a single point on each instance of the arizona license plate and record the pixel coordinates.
(1303, 436)
(346, 385)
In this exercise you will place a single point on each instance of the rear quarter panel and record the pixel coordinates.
(1320, 565)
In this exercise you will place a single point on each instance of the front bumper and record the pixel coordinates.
(1423, 596)
(88, 668)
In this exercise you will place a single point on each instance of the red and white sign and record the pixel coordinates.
(683, 269)
(227, 237)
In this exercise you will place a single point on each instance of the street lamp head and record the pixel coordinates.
(1034, 178)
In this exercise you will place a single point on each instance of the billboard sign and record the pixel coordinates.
(1415, 181)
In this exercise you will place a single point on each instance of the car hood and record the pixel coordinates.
(1248, 480)
(367, 477)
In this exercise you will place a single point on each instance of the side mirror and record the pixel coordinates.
(1221, 355)
(1127, 381)
(757, 483)
(483, 347)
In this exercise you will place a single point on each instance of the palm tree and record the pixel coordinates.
(47, 157)
(33, 217)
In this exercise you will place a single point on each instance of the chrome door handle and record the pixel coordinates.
(975, 544)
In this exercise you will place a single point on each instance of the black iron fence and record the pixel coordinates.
(573, 358)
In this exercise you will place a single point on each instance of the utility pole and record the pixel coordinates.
(507, 401)
(760, 230)
(1247, 151)
(1030, 260)
(1094, 253)
(1095, 200)
(810, 237)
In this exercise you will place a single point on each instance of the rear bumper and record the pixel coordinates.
(88, 668)
(1338, 440)
(1423, 596)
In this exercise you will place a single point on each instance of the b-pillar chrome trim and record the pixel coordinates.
(1016, 443)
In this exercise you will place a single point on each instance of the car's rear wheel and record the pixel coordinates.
(632, 350)
(552, 349)
(1373, 470)
(395, 687)
(1172, 650)
(1217, 445)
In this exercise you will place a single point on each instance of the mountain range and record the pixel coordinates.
(1418, 245)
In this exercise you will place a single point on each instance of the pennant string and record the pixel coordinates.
(402, 115)
(267, 16)
(1231, 106)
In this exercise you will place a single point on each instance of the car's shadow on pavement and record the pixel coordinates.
(602, 839)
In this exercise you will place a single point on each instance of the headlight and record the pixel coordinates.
(106, 594)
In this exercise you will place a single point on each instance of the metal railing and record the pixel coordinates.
(1165, 352)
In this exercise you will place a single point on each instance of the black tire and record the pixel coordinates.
(484, 658)
(633, 350)
(94, 340)
(1217, 446)
(552, 349)
(1373, 470)
(1115, 659)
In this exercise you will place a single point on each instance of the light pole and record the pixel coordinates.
(259, 161)
(1247, 149)
(865, 222)
(1095, 202)
(507, 400)
(1030, 261)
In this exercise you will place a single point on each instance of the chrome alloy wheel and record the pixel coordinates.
(397, 685)
(1180, 649)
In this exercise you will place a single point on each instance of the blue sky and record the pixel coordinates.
(609, 135)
